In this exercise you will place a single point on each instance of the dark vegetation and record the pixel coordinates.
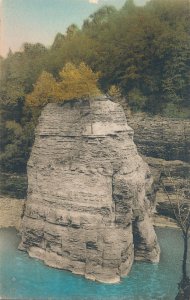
(144, 51)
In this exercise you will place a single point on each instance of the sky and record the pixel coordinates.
(36, 21)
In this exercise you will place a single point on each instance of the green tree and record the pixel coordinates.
(101, 16)
(71, 31)
(136, 100)
(129, 6)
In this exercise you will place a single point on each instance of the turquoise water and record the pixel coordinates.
(24, 278)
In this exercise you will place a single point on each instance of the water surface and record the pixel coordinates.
(22, 277)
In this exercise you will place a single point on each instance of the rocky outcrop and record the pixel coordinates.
(165, 144)
(89, 192)
(175, 176)
(11, 210)
(160, 137)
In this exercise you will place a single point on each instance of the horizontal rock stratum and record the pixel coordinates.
(89, 192)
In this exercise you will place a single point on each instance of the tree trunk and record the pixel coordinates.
(184, 285)
(184, 264)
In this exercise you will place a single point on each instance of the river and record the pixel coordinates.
(22, 277)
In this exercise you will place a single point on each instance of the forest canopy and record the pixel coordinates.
(144, 52)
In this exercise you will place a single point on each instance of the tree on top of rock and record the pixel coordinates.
(74, 83)
(114, 91)
(45, 91)
(78, 82)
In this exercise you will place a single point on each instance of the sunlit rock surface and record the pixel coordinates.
(90, 193)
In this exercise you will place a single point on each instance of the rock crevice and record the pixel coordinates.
(89, 192)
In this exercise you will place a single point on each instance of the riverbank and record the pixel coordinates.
(162, 221)
(10, 212)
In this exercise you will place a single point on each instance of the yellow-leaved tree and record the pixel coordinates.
(75, 82)
(45, 90)
(114, 91)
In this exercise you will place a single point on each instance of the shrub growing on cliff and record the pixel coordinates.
(114, 91)
(74, 82)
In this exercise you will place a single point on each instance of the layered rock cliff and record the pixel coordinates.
(160, 137)
(165, 144)
(89, 192)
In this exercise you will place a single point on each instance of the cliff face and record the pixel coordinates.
(166, 144)
(160, 137)
(89, 192)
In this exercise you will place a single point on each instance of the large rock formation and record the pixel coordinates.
(89, 192)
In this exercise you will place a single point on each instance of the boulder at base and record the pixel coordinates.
(89, 192)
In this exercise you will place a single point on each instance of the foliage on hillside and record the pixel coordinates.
(143, 51)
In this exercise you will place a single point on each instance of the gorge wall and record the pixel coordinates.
(165, 145)
(160, 137)
(89, 192)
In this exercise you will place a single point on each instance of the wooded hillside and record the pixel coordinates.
(143, 51)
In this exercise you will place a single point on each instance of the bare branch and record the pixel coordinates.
(180, 209)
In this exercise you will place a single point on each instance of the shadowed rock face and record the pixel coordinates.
(89, 192)
(162, 138)
(166, 144)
